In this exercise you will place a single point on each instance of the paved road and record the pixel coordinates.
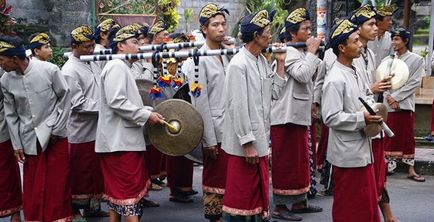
(411, 202)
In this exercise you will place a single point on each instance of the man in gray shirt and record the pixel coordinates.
(119, 141)
(349, 149)
(36, 103)
(250, 85)
(83, 81)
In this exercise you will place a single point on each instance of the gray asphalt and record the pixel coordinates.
(411, 202)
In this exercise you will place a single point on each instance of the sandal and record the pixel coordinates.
(306, 209)
(181, 199)
(189, 193)
(285, 215)
(417, 178)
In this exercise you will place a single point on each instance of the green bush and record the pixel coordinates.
(58, 56)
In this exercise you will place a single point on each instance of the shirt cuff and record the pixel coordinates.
(246, 138)
(279, 81)
(361, 120)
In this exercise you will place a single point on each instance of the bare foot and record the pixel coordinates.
(15, 217)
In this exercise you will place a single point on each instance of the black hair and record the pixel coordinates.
(293, 29)
(336, 47)
(379, 17)
(249, 36)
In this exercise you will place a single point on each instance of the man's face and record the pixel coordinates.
(161, 37)
(369, 30)
(85, 48)
(129, 46)
(8, 64)
(143, 40)
(216, 29)
(45, 52)
(398, 43)
(353, 48)
(304, 32)
(263, 39)
(386, 24)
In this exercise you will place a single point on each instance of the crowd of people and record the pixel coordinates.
(78, 129)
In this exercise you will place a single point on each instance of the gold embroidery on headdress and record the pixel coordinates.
(209, 10)
(81, 34)
(296, 16)
(5, 46)
(386, 10)
(42, 38)
(261, 19)
(125, 33)
(107, 24)
(344, 27)
(157, 27)
(365, 11)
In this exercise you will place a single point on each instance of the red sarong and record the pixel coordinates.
(179, 173)
(322, 146)
(47, 186)
(403, 144)
(432, 117)
(355, 195)
(86, 175)
(124, 176)
(247, 187)
(214, 173)
(10, 181)
(379, 165)
(290, 159)
(155, 161)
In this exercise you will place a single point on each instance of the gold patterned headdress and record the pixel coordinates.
(363, 14)
(158, 27)
(126, 32)
(82, 34)
(297, 16)
(107, 25)
(42, 38)
(386, 10)
(210, 10)
(341, 32)
(5, 46)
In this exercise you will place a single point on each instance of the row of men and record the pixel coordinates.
(241, 98)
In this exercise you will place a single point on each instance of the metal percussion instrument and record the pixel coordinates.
(374, 129)
(395, 67)
(183, 131)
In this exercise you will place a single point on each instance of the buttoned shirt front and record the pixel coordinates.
(121, 114)
(83, 81)
(36, 105)
(250, 86)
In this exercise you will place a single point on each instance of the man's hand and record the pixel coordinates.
(392, 102)
(251, 154)
(372, 118)
(279, 56)
(382, 85)
(313, 44)
(156, 118)
(211, 152)
(19, 154)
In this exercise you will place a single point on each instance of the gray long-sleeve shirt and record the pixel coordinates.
(36, 105)
(250, 86)
(122, 114)
(4, 133)
(83, 81)
(210, 103)
(347, 146)
(406, 94)
(381, 47)
(295, 103)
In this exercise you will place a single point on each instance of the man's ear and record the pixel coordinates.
(120, 46)
(103, 35)
(341, 48)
